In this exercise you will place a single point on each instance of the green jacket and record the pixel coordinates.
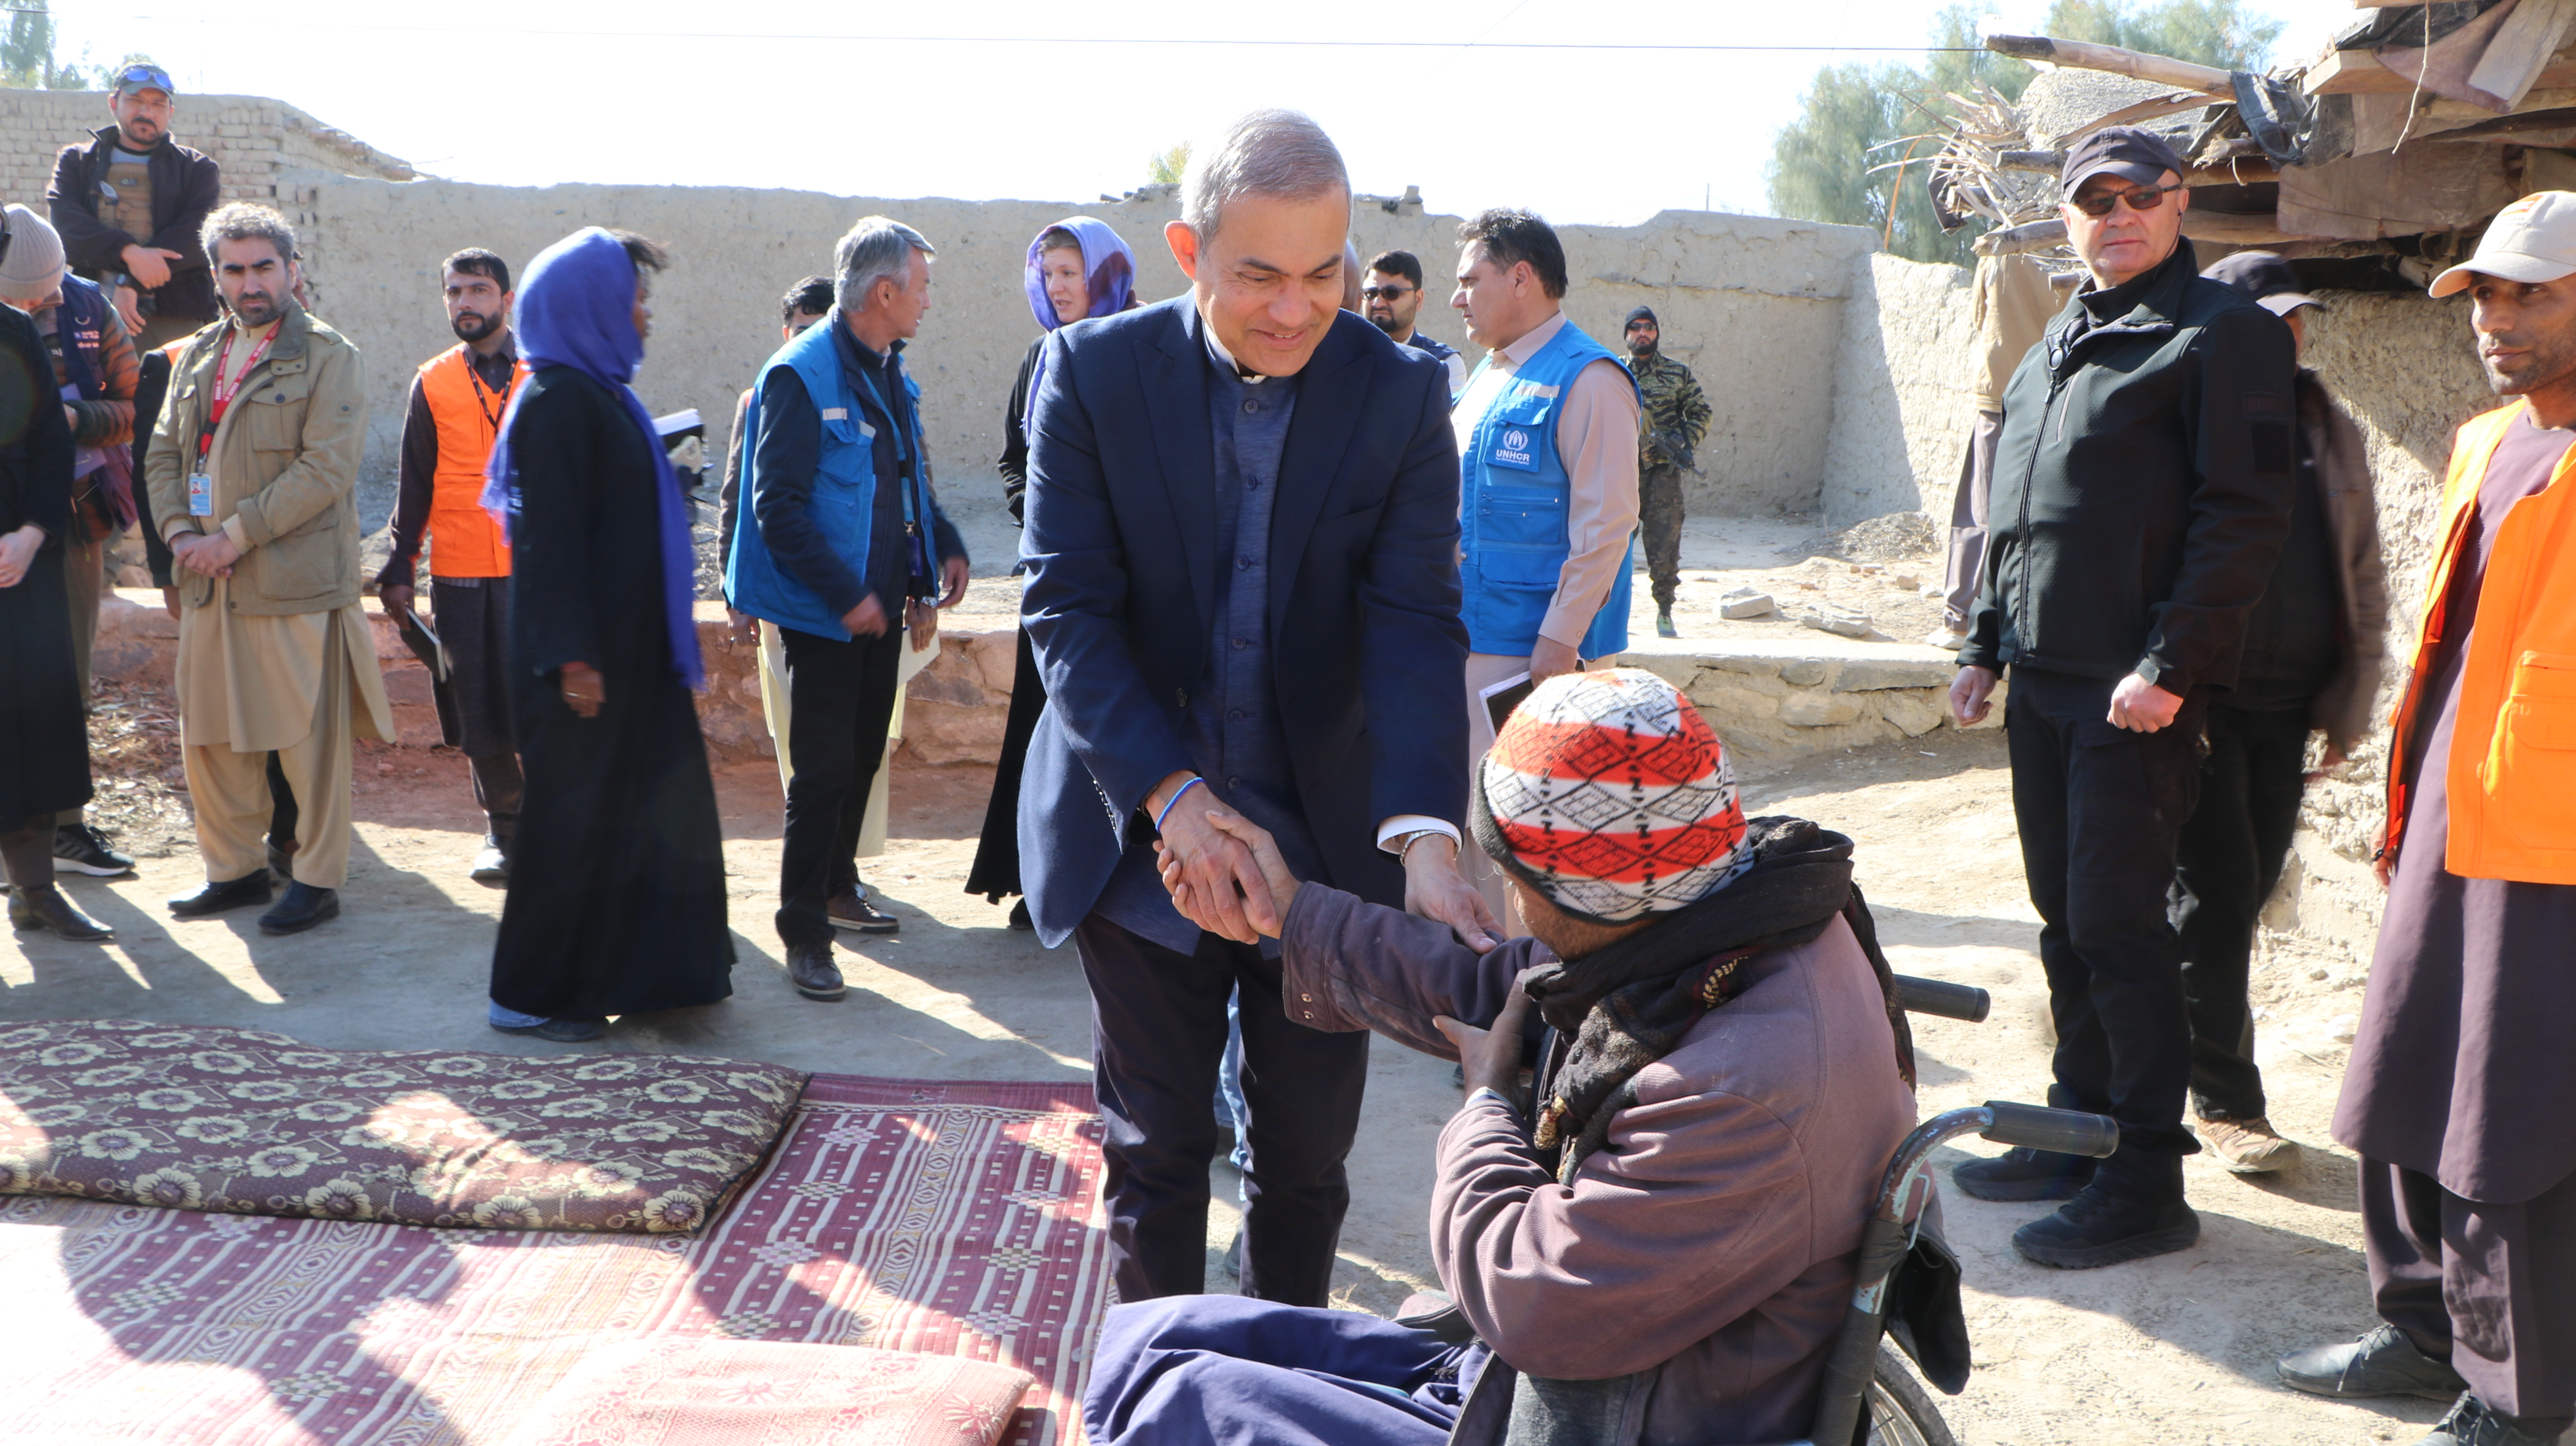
(284, 465)
(1673, 413)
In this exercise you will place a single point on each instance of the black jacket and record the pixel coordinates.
(186, 187)
(2142, 484)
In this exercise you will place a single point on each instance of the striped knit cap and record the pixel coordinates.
(1609, 794)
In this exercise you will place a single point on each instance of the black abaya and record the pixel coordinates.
(617, 886)
(44, 739)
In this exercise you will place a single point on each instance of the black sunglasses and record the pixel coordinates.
(2144, 198)
(1385, 293)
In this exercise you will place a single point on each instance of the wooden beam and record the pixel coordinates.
(2520, 51)
(2085, 55)
(2359, 72)
(2223, 227)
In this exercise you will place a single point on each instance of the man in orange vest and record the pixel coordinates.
(457, 401)
(2456, 1096)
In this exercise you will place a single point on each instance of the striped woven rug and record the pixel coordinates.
(951, 1218)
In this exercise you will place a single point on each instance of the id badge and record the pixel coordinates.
(201, 495)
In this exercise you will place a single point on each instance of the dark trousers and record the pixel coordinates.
(2226, 862)
(2490, 1288)
(841, 695)
(474, 626)
(1659, 512)
(2099, 808)
(1158, 1031)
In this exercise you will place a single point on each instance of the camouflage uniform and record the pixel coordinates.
(1675, 420)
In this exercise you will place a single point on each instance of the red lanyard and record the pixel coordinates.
(224, 394)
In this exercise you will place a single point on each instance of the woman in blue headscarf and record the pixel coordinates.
(617, 887)
(1077, 268)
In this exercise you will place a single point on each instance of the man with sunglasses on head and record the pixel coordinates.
(129, 203)
(1391, 299)
(2143, 487)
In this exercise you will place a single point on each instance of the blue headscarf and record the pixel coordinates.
(577, 309)
(1109, 269)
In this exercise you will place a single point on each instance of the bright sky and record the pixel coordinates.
(757, 93)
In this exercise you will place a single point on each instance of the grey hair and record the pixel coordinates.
(245, 221)
(1277, 153)
(877, 248)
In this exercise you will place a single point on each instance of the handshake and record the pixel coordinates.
(1227, 875)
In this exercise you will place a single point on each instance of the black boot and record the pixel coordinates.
(2385, 1362)
(2024, 1174)
(36, 903)
(2102, 1226)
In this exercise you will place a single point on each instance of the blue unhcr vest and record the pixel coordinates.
(1512, 503)
(845, 485)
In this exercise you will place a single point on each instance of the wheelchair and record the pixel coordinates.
(1871, 1397)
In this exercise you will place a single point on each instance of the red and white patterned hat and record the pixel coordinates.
(1609, 794)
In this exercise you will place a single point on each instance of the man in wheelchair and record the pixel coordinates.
(1661, 1251)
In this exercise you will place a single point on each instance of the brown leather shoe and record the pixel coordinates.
(2249, 1147)
(811, 970)
(852, 911)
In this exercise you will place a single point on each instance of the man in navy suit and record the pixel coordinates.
(1242, 555)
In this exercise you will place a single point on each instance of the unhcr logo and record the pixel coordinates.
(1514, 448)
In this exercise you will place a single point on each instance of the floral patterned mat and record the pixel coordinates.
(257, 1124)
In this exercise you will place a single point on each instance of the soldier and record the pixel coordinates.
(1676, 420)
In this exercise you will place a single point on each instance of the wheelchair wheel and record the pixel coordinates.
(1900, 1410)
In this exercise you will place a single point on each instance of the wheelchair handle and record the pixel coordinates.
(1950, 1001)
(2069, 1132)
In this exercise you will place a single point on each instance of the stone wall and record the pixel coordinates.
(1754, 304)
(1903, 399)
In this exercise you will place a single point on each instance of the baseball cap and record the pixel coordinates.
(2129, 152)
(2532, 240)
(143, 76)
(2264, 276)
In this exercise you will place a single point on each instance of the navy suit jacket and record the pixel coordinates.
(1120, 549)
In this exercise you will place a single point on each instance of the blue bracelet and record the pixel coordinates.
(1175, 798)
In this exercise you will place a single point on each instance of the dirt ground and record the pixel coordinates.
(2175, 1350)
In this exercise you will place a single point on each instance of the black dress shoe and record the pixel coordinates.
(1020, 919)
(2382, 1363)
(215, 898)
(2470, 1423)
(811, 970)
(303, 907)
(44, 907)
(2098, 1228)
(2024, 1174)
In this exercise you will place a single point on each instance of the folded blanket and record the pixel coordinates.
(257, 1124)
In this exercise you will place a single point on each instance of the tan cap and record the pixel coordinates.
(2532, 240)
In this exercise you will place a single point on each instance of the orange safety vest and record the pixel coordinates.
(464, 541)
(2513, 748)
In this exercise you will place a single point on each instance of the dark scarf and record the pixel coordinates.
(1619, 1009)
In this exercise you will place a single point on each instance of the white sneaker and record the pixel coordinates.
(491, 866)
(1945, 640)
